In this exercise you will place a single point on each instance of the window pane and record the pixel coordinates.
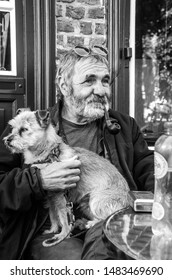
(153, 64)
(5, 53)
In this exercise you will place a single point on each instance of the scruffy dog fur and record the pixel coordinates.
(36, 138)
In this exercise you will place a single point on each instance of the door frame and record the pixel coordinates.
(39, 45)
(120, 52)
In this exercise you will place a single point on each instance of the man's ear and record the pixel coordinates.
(63, 86)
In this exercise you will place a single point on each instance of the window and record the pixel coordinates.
(7, 38)
(151, 64)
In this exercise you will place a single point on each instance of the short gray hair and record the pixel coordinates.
(67, 64)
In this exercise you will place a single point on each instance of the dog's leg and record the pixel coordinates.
(55, 223)
(65, 231)
(56, 202)
(90, 224)
(59, 216)
(104, 203)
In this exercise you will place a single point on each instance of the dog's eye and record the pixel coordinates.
(10, 127)
(22, 129)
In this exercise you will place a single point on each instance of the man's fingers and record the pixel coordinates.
(71, 172)
(73, 158)
(70, 180)
(71, 163)
(56, 165)
(61, 175)
(70, 186)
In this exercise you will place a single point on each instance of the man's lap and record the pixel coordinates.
(68, 249)
(92, 248)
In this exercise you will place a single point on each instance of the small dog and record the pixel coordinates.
(36, 138)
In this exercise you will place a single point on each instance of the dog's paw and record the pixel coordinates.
(90, 224)
(51, 241)
(51, 230)
(80, 224)
(47, 231)
(56, 239)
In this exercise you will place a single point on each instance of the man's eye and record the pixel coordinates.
(89, 80)
(106, 81)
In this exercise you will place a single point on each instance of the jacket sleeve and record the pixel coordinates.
(19, 187)
(143, 163)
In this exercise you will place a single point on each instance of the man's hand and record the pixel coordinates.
(60, 175)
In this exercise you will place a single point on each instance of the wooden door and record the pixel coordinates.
(12, 83)
(27, 56)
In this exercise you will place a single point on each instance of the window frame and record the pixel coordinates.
(9, 6)
(118, 36)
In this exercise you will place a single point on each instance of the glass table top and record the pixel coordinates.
(131, 232)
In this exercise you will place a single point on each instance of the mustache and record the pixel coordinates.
(98, 99)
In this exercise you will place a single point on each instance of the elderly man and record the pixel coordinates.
(84, 96)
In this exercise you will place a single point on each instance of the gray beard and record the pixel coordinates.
(91, 109)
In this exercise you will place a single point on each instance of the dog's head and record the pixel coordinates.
(29, 129)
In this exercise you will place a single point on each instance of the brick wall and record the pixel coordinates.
(79, 22)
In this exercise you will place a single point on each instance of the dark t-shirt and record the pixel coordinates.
(85, 135)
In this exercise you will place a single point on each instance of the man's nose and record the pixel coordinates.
(99, 89)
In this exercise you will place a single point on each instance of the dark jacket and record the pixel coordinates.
(21, 193)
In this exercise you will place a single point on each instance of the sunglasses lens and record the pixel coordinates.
(100, 50)
(82, 51)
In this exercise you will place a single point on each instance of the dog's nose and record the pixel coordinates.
(9, 139)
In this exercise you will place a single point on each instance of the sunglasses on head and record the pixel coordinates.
(84, 51)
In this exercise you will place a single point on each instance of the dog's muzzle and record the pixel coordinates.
(8, 140)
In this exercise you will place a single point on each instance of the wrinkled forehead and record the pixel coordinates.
(90, 67)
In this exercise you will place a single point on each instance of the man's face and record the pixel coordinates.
(90, 90)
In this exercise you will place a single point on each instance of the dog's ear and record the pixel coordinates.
(43, 118)
(19, 110)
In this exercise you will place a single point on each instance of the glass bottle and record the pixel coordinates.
(161, 247)
(162, 205)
